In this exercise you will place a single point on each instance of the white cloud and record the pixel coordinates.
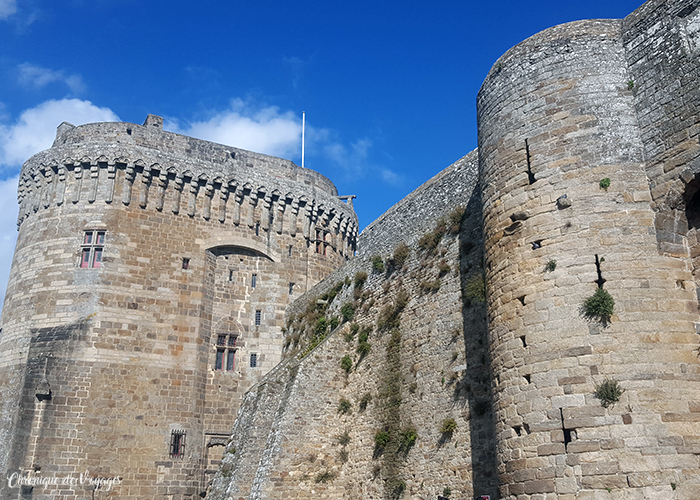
(7, 8)
(8, 230)
(264, 130)
(37, 77)
(35, 129)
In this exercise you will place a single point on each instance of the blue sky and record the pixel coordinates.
(389, 87)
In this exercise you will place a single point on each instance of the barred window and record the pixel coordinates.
(177, 443)
(92, 248)
(253, 360)
(258, 317)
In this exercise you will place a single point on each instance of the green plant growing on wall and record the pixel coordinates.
(429, 286)
(401, 253)
(334, 322)
(446, 492)
(630, 84)
(448, 426)
(364, 401)
(363, 345)
(604, 183)
(407, 438)
(599, 306)
(389, 315)
(443, 267)
(381, 439)
(377, 264)
(396, 488)
(326, 476)
(343, 455)
(430, 241)
(550, 266)
(344, 407)
(344, 438)
(350, 336)
(347, 311)
(475, 288)
(455, 219)
(608, 392)
(346, 363)
(360, 278)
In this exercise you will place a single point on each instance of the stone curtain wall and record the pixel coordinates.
(287, 440)
(662, 42)
(557, 115)
(136, 358)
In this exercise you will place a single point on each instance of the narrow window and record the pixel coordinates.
(97, 258)
(85, 259)
(290, 250)
(291, 288)
(257, 229)
(258, 317)
(185, 263)
(92, 248)
(177, 443)
(254, 281)
(230, 356)
(253, 360)
(230, 275)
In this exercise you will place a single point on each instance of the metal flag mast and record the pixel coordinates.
(303, 131)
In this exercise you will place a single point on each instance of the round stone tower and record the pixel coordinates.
(147, 293)
(567, 212)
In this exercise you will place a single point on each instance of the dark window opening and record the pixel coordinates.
(185, 263)
(600, 281)
(527, 378)
(522, 339)
(530, 176)
(257, 229)
(253, 360)
(258, 317)
(230, 275)
(291, 288)
(290, 250)
(177, 443)
(692, 204)
(254, 281)
(522, 301)
(568, 436)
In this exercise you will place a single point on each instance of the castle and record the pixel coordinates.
(523, 326)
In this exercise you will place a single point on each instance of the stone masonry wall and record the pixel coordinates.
(291, 440)
(556, 117)
(102, 364)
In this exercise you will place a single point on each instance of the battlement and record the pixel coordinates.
(104, 162)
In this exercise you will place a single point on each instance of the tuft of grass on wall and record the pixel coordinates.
(608, 392)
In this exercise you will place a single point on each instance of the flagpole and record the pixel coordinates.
(303, 133)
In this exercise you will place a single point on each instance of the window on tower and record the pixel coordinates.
(92, 248)
(225, 352)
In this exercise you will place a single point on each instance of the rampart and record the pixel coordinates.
(294, 437)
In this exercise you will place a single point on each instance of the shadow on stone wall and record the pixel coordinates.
(475, 384)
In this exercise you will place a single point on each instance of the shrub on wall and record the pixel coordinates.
(599, 306)
(608, 392)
